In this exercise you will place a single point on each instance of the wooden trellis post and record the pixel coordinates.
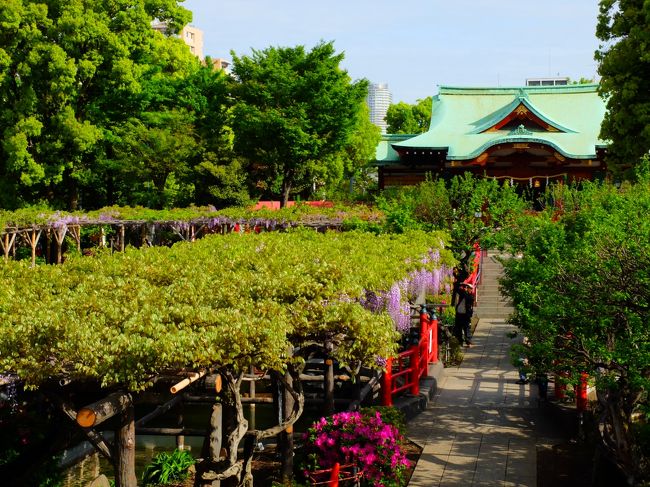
(48, 249)
(75, 231)
(32, 238)
(329, 386)
(59, 235)
(7, 243)
(122, 236)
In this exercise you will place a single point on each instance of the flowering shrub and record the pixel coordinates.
(363, 440)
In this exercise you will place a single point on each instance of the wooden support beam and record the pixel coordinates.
(211, 399)
(328, 399)
(146, 430)
(214, 382)
(163, 408)
(98, 412)
(95, 438)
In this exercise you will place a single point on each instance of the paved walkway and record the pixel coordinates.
(482, 429)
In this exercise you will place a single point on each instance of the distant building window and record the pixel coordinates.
(547, 81)
(192, 49)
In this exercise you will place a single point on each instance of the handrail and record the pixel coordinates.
(412, 364)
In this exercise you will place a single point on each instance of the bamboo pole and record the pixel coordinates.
(193, 376)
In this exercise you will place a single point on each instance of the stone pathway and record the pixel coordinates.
(482, 428)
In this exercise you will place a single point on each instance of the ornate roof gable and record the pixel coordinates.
(522, 112)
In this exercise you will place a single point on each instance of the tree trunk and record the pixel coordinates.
(73, 201)
(286, 190)
(125, 450)
(285, 439)
(212, 446)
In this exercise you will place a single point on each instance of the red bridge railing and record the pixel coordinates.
(404, 372)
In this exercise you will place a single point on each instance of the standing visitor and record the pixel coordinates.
(464, 300)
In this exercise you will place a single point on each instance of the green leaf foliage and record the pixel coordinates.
(233, 300)
(98, 108)
(470, 208)
(295, 110)
(403, 118)
(167, 468)
(624, 67)
(580, 289)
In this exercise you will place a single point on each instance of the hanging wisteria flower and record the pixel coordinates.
(396, 301)
(398, 308)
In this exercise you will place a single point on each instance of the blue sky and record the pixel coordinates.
(416, 45)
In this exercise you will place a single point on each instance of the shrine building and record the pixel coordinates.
(529, 135)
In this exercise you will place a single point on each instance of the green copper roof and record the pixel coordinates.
(461, 116)
(385, 151)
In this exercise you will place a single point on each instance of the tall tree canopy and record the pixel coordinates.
(624, 29)
(295, 110)
(81, 82)
(403, 118)
(580, 290)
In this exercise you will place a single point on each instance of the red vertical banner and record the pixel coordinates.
(581, 393)
(433, 334)
(387, 384)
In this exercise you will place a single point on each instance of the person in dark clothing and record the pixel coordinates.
(464, 310)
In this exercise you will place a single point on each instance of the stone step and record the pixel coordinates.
(494, 309)
(493, 316)
(489, 287)
(493, 299)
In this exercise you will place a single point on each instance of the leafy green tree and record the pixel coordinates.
(624, 65)
(403, 118)
(74, 75)
(353, 172)
(580, 289)
(294, 110)
(155, 151)
(472, 209)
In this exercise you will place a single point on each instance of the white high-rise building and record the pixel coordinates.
(379, 99)
(191, 36)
